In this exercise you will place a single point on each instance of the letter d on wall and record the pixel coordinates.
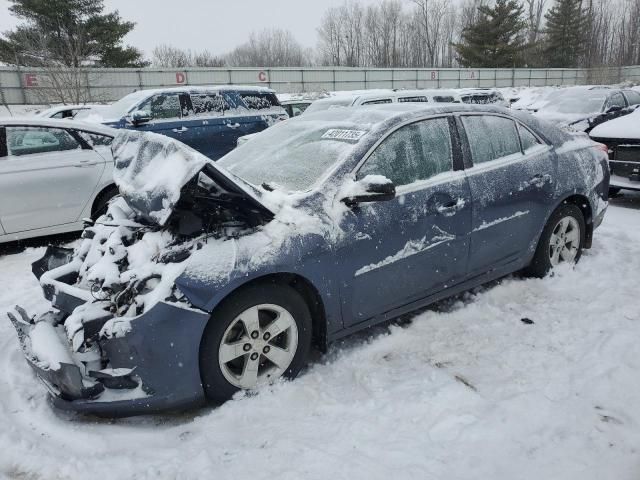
(181, 78)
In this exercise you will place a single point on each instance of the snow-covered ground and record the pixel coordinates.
(522, 379)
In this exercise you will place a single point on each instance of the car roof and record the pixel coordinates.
(391, 111)
(295, 102)
(55, 123)
(62, 108)
(205, 89)
(387, 116)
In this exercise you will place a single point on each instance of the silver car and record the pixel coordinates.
(53, 173)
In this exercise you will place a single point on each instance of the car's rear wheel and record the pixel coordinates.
(259, 334)
(562, 241)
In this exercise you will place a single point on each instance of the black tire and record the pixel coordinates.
(101, 202)
(614, 191)
(541, 265)
(217, 388)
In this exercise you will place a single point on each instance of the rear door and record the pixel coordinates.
(512, 183)
(47, 177)
(209, 133)
(416, 244)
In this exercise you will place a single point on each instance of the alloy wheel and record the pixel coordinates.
(564, 243)
(258, 346)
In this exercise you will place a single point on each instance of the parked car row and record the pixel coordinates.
(206, 278)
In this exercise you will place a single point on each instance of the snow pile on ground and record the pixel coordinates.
(524, 379)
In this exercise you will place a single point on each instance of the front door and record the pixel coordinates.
(416, 244)
(46, 178)
(170, 113)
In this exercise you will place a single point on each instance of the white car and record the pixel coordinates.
(53, 174)
(64, 112)
(382, 97)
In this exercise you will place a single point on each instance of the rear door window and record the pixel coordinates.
(527, 139)
(632, 97)
(208, 103)
(413, 99)
(33, 140)
(491, 137)
(415, 152)
(444, 99)
(95, 139)
(377, 102)
(259, 100)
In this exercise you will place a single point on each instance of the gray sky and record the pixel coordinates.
(215, 25)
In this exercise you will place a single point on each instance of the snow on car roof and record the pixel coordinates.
(626, 127)
(56, 123)
(380, 113)
(205, 88)
(62, 108)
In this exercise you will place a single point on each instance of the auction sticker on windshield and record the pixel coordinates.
(337, 134)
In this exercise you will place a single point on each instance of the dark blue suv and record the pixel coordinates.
(208, 119)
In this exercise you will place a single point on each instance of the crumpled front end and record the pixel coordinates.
(148, 366)
(122, 339)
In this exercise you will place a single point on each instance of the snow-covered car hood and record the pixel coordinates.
(622, 127)
(560, 119)
(151, 170)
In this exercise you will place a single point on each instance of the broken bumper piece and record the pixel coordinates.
(148, 368)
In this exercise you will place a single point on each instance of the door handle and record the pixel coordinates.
(180, 130)
(84, 163)
(450, 208)
(539, 180)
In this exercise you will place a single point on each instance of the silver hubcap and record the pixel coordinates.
(565, 241)
(258, 346)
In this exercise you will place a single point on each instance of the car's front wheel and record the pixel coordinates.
(258, 334)
(561, 241)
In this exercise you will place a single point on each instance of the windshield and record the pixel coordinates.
(578, 104)
(293, 155)
(328, 104)
(120, 108)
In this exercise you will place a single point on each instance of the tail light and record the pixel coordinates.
(602, 147)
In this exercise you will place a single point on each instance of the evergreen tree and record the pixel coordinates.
(69, 33)
(496, 38)
(565, 34)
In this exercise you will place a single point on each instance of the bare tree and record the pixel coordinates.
(272, 48)
(166, 56)
(55, 80)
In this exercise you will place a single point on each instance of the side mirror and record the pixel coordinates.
(140, 117)
(614, 108)
(372, 188)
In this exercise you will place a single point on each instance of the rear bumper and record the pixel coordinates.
(624, 183)
(152, 367)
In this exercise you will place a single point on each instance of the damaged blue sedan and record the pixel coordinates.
(204, 279)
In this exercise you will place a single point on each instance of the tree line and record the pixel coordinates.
(390, 33)
(441, 33)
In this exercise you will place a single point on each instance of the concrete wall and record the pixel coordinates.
(33, 86)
